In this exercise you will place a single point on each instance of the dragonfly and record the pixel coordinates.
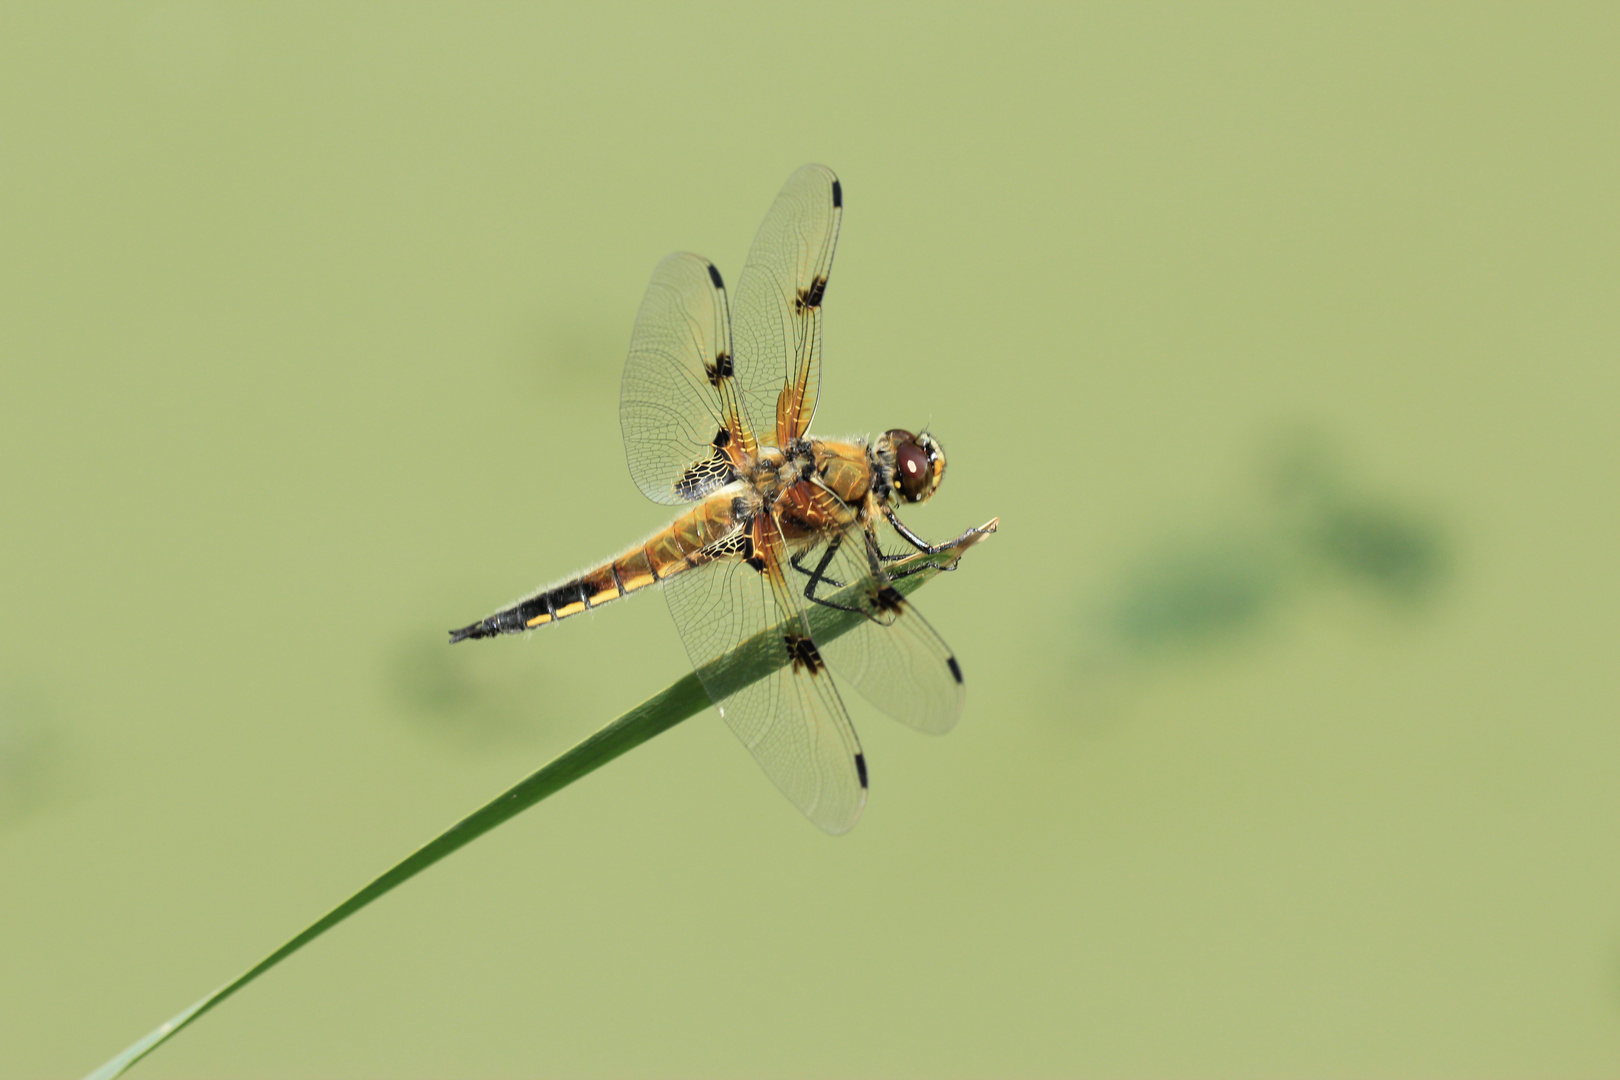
(715, 407)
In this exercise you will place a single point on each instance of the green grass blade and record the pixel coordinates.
(751, 661)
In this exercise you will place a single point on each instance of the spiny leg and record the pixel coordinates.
(918, 542)
(818, 572)
(818, 576)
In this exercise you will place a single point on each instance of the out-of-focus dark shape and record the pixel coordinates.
(1310, 530)
(1196, 595)
(1369, 540)
(475, 698)
(1381, 547)
(28, 754)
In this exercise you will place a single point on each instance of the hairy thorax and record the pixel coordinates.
(811, 486)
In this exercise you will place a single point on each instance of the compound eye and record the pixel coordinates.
(912, 473)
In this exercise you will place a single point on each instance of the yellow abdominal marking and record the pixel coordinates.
(638, 581)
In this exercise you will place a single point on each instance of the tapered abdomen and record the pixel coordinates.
(690, 540)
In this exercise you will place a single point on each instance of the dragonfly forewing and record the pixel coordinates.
(678, 407)
(776, 307)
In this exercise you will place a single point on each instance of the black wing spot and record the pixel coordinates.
(838, 201)
(722, 439)
(720, 368)
(804, 653)
(888, 599)
(956, 668)
(860, 768)
(714, 276)
(811, 298)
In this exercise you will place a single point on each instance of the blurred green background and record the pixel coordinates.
(1281, 338)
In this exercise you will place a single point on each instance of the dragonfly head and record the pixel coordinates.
(918, 463)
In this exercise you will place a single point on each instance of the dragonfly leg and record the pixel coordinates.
(818, 576)
(918, 542)
(819, 573)
(907, 571)
(921, 545)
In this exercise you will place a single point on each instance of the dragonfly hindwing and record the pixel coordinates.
(709, 473)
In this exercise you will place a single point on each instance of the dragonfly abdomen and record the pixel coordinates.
(686, 542)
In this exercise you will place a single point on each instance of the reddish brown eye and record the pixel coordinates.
(911, 471)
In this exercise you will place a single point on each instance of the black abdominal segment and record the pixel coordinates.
(527, 610)
(563, 596)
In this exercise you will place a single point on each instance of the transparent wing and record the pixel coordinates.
(792, 721)
(894, 658)
(677, 405)
(777, 303)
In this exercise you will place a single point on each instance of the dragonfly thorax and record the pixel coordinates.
(773, 471)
